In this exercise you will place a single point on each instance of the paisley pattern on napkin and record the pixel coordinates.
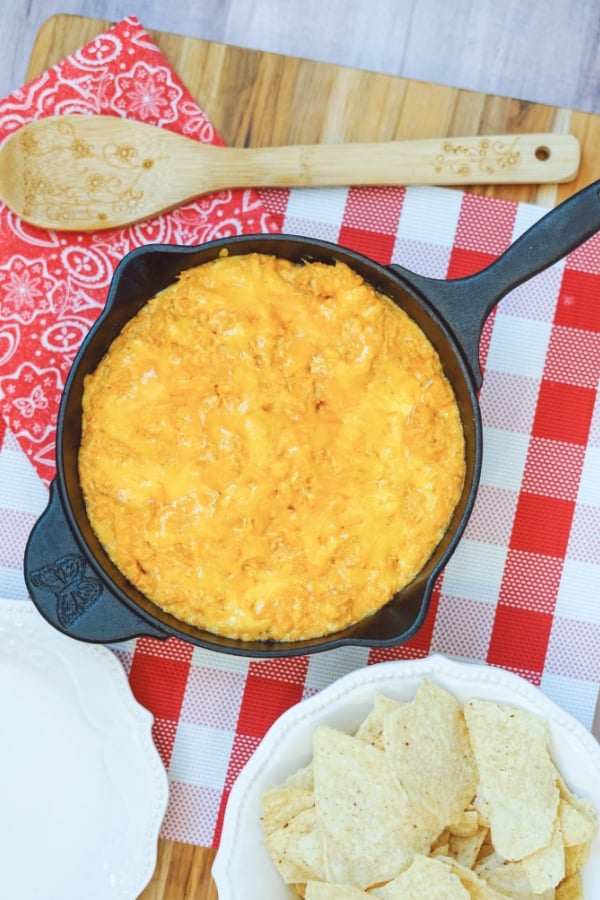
(521, 590)
(53, 284)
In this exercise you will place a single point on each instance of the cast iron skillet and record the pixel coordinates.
(73, 582)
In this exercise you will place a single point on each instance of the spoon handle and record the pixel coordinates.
(493, 159)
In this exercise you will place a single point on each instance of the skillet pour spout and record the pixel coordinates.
(465, 303)
(71, 579)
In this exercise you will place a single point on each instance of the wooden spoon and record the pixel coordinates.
(83, 173)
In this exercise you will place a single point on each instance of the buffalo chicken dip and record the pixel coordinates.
(270, 450)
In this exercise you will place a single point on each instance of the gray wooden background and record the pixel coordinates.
(542, 50)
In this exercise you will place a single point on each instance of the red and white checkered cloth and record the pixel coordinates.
(522, 590)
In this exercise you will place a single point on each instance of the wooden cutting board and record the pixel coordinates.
(259, 99)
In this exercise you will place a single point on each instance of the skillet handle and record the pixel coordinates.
(465, 303)
(67, 592)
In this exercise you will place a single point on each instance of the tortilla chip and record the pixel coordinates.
(488, 863)
(509, 879)
(440, 850)
(467, 825)
(424, 877)
(482, 807)
(576, 857)
(297, 849)
(429, 751)
(440, 845)
(580, 803)
(302, 778)
(465, 850)
(281, 804)
(487, 848)
(517, 778)
(546, 868)
(370, 827)
(476, 886)
(570, 888)
(316, 890)
(577, 825)
(371, 728)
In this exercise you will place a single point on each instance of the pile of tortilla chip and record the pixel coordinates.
(430, 799)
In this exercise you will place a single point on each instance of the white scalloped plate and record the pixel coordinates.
(83, 789)
(242, 868)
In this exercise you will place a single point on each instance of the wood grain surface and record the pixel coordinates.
(256, 99)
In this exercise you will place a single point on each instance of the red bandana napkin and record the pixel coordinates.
(521, 590)
(53, 285)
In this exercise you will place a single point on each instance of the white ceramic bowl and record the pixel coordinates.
(243, 869)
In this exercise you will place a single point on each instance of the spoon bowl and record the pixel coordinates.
(88, 173)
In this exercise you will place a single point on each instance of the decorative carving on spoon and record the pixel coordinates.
(487, 156)
(96, 180)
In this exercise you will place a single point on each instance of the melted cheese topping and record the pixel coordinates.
(270, 450)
